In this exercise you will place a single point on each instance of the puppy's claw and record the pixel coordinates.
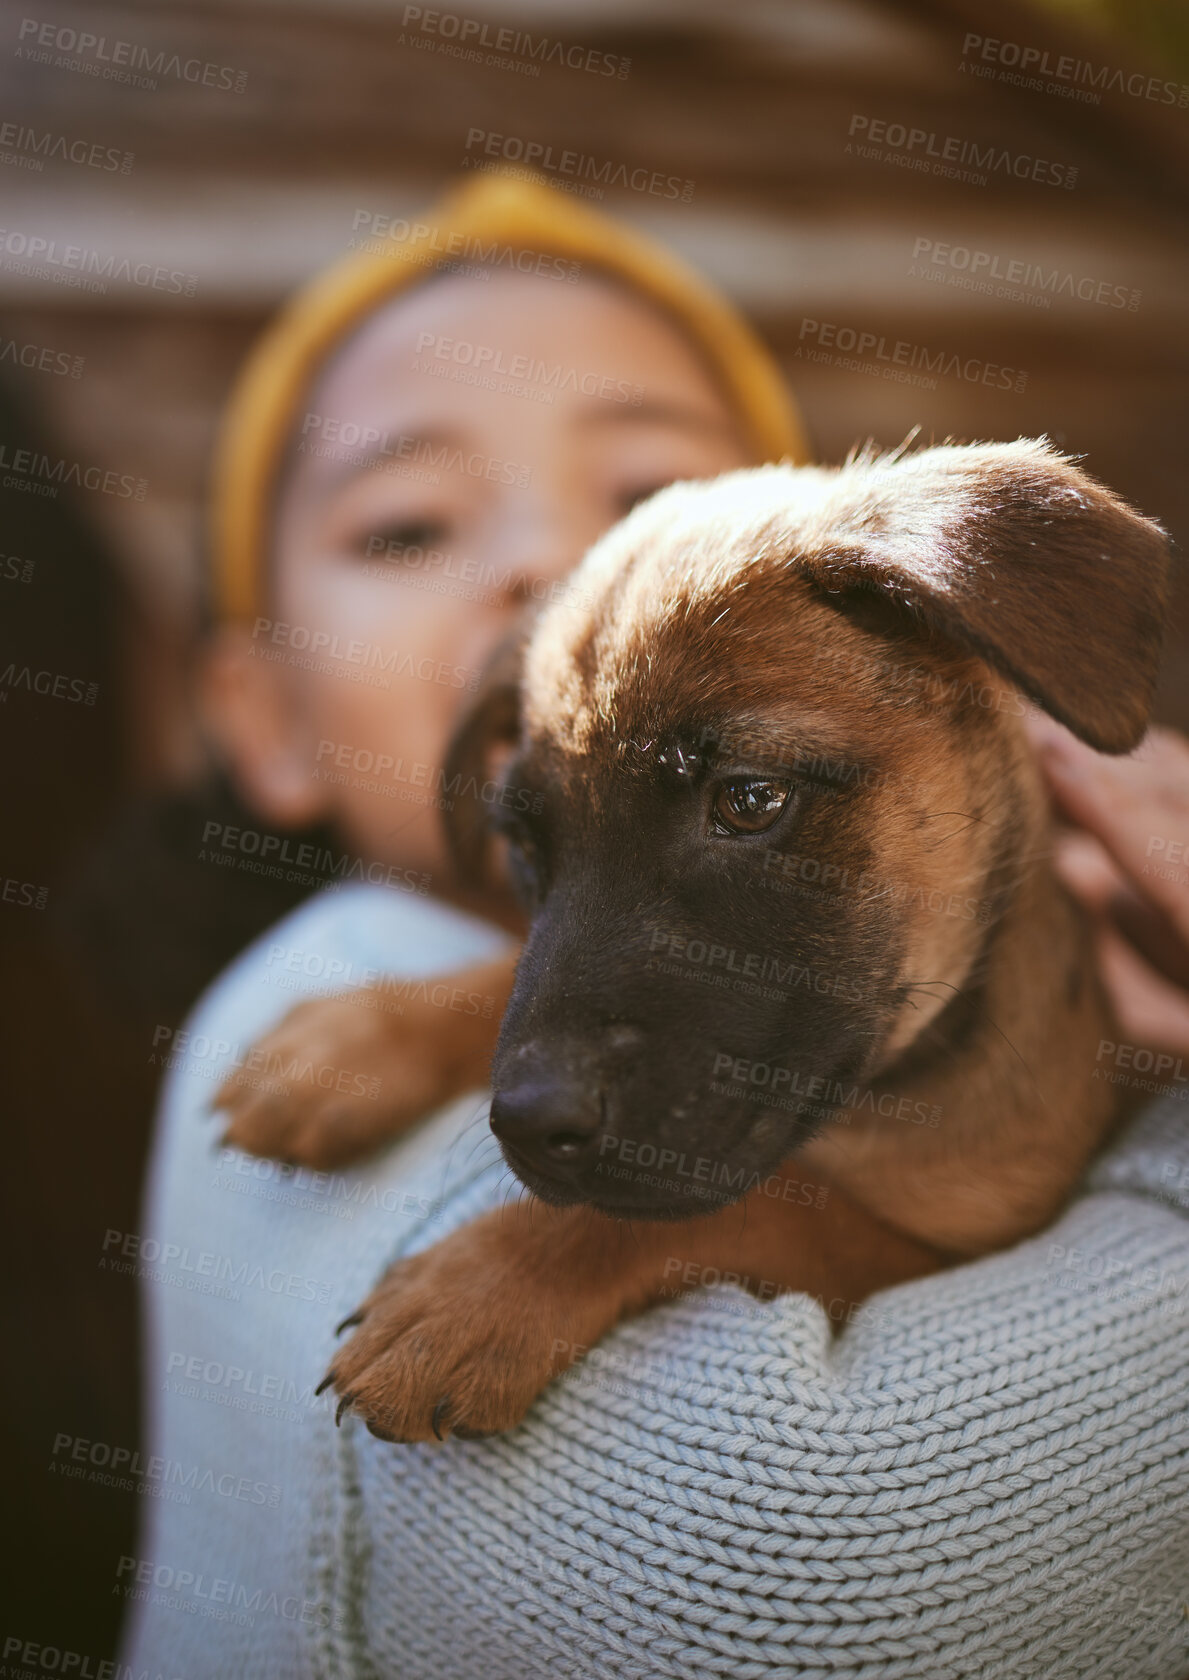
(439, 1412)
(343, 1404)
(393, 1440)
(325, 1383)
(351, 1320)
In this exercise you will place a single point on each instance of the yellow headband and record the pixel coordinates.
(489, 218)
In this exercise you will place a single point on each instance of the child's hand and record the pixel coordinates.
(1127, 861)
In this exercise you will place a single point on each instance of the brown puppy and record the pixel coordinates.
(801, 998)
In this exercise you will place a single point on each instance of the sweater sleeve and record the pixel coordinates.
(983, 1474)
(245, 1268)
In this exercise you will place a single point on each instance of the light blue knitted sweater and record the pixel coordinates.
(986, 1475)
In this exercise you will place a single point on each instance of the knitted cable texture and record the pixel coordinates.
(984, 1476)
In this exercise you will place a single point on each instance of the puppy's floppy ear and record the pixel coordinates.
(488, 726)
(1011, 551)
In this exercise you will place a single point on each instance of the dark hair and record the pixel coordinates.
(161, 901)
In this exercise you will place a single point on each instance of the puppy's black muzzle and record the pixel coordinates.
(548, 1125)
(604, 1082)
(550, 1110)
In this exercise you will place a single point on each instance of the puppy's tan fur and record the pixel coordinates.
(896, 612)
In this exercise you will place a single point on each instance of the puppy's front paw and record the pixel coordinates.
(458, 1340)
(337, 1079)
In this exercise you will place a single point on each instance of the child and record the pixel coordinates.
(415, 453)
(384, 513)
(722, 1500)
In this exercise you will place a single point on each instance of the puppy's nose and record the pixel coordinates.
(549, 1121)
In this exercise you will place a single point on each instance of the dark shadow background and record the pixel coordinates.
(319, 113)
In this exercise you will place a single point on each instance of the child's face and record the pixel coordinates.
(402, 560)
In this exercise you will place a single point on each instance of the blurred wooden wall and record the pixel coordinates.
(324, 109)
(337, 106)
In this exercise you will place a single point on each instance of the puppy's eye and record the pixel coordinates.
(751, 806)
